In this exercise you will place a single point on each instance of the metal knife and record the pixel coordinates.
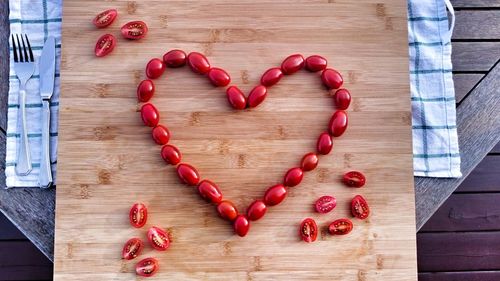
(47, 75)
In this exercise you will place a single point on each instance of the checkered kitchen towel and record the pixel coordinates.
(435, 142)
(38, 19)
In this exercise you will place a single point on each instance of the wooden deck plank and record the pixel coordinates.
(484, 178)
(8, 231)
(460, 276)
(477, 24)
(475, 3)
(475, 56)
(21, 260)
(464, 83)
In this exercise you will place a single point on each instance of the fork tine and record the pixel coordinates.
(14, 48)
(26, 59)
(19, 49)
(29, 48)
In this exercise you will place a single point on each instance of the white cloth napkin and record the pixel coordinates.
(38, 19)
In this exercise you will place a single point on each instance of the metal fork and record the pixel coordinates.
(24, 66)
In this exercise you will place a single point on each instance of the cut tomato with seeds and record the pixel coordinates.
(132, 248)
(325, 204)
(158, 238)
(138, 215)
(359, 207)
(134, 30)
(105, 45)
(147, 267)
(340, 227)
(354, 179)
(105, 18)
(308, 230)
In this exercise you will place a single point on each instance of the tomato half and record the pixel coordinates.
(147, 267)
(158, 238)
(359, 207)
(138, 215)
(132, 248)
(325, 204)
(105, 45)
(340, 227)
(134, 30)
(354, 179)
(105, 18)
(308, 230)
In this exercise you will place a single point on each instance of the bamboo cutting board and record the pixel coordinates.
(108, 161)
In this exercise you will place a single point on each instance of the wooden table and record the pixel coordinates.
(477, 79)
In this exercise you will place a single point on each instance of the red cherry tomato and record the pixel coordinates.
(145, 90)
(325, 204)
(147, 267)
(309, 162)
(275, 195)
(132, 248)
(188, 174)
(158, 238)
(315, 63)
(292, 64)
(308, 230)
(241, 225)
(138, 215)
(257, 96)
(354, 179)
(210, 191)
(134, 30)
(359, 207)
(340, 227)
(227, 210)
(324, 144)
(161, 135)
(332, 78)
(236, 98)
(342, 99)
(271, 77)
(218, 77)
(150, 115)
(155, 68)
(174, 58)
(198, 63)
(338, 123)
(105, 45)
(171, 154)
(293, 177)
(256, 210)
(105, 18)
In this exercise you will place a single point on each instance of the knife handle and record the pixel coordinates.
(23, 166)
(45, 176)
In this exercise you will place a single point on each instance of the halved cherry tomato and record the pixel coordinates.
(175, 58)
(354, 179)
(309, 162)
(256, 210)
(198, 63)
(293, 177)
(338, 123)
(134, 30)
(218, 77)
(132, 248)
(145, 90)
(236, 98)
(271, 76)
(188, 174)
(275, 195)
(210, 191)
(257, 96)
(138, 215)
(325, 204)
(147, 267)
(227, 210)
(171, 154)
(105, 45)
(315, 63)
(155, 68)
(241, 225)
(150, 115)
(158, 238)
(342, 99)
(324, 144)
(332, 78)
(308, 230)
(105, 18)
(292, 64)
(359, 207)
(340, 227)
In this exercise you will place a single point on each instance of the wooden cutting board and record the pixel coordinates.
(108, 161)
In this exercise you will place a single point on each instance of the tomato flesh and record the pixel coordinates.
(354, 179)
(134, 30)
(145, 90)
(147, 267)
(342, 99)
(171, 154)
(105, 45)
(158, 238)
(275, 195)
(359, 207)
(161, 134)
(138, 215)
(132, 248)
(236, 98)
(308, 230)
(256, 210)
(309, 162)
(340, 227)
(227, 210)
(105, 18)
(325, 204)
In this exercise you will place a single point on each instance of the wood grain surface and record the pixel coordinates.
(107, 160)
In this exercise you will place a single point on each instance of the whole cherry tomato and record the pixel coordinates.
(308, 230)
(315, 63)
(271, 77)
(155, 68)
(198, 63)
(188, 174)
(145, 90)
(105, 18)
(175, 58)
(325, 204)
(132, 248)
(275, 195)
(342, 99)
(324, 144)
(309, 162)
(150, 115)
(158, 238)
(293, 177)
(147, 267)
(340, 227)
(256, 210)
(210, 191)
(359, 207)
(138, 215)
(332, 78)
(354, 179)
(257, 96)
(227, 210)
(161, 134)
(292, 64)
(236, 98)
(338, 123)
(171, 154)
(134, 30)
(241, 225)
(105, 45)
(218, 77)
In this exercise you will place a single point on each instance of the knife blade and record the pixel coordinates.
(47, 68)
